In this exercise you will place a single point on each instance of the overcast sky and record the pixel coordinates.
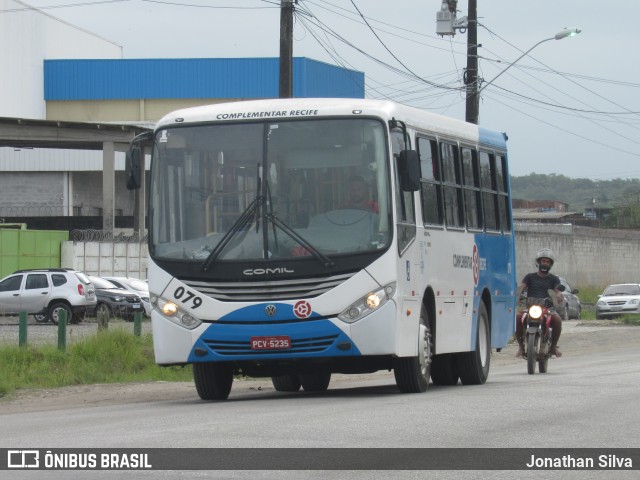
(571, 107)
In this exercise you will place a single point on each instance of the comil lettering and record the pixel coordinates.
(266, 271)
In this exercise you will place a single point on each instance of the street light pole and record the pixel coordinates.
(567, 32)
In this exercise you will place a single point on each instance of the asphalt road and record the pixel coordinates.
(588, 399)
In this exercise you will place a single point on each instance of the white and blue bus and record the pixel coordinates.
(264, 262)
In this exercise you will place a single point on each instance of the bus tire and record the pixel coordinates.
(473, 367)
(412, 373)
(286, 383)
(444, 370)
(315, 382)
(213, 381)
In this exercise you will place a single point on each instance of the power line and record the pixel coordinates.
(635, 154)
(559, 73)
(555, 105)
(161, 2)
(408, 74)
(181, 4)
(564, 74)
(68, 5)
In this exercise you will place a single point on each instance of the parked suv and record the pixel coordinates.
(46, 292)
(115, 301)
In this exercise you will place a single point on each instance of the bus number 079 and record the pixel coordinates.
(188, 297)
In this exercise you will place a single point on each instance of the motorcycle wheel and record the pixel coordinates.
(544, 361)
(532, 352)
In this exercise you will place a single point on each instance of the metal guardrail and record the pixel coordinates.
(61, 332)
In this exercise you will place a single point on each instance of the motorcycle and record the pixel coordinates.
(536, 326)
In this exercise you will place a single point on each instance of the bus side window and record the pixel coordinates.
(451, 185)
(503, 193)
(471, 181)
(430, 187)
(489, 193)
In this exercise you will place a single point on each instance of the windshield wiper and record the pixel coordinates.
(326, 261)
(239, 224)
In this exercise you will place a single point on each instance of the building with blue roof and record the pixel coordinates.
(146, 89)
(70, 75)
(188, 78)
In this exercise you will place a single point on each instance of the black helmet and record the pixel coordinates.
(545, 253)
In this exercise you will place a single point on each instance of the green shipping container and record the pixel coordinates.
(21, 248)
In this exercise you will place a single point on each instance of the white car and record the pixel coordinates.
(46, 292)
(134, 285)
(618, 299)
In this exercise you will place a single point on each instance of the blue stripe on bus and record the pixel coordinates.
(311, 338)
(497, 252)
(492, 138)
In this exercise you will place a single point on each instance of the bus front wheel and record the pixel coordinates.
(213, 381)
(412, 373)
(473, 367)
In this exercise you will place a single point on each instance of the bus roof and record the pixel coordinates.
(291, 108)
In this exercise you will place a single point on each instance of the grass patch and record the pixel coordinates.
(630, 320)
(111, 356)
(589, 294)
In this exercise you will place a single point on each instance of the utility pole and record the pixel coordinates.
(471, 75)
(286, 48)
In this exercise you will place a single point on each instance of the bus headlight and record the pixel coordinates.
(174, 313)
(367, 304)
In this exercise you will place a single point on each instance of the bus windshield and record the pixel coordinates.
(269, 190)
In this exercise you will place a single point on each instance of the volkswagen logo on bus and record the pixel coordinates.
(270, 310)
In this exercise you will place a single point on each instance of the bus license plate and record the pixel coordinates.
(270, 343)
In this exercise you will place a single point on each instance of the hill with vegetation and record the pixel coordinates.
(579, 193)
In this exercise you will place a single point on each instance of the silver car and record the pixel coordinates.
(573, 308)
(618, 299)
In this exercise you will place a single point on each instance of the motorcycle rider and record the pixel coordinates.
(537, 284)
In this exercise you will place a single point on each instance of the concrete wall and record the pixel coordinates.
(33, 194)
(116, 259)
(57, 193)
(586, 257)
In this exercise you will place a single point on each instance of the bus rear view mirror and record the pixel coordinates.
(132, 168)
(409, 169)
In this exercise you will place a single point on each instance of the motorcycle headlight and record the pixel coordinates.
(367, 304)
(177, 315)
(535, 312)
